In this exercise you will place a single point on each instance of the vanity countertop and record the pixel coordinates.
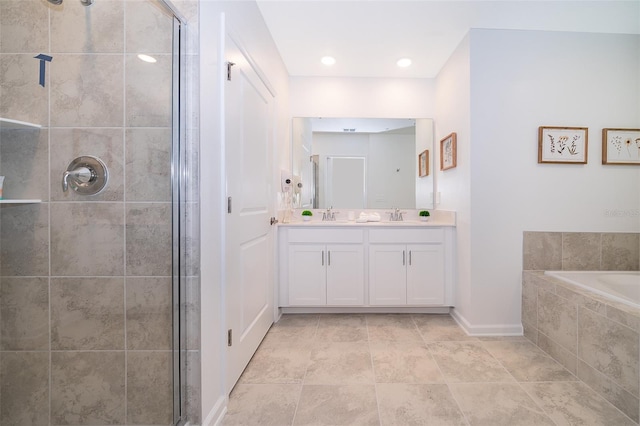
(338, 223)
(438, 218)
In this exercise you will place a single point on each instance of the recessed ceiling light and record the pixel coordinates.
(404, 62)
(147, 58)
(328, 60)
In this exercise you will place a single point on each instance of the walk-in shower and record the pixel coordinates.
(93, 224)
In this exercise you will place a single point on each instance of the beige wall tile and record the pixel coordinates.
(87, 388)
(625, 315)
(148, 28)
(557, 318)
(24, 27)
(84, 92)
(24, 154)
(192, 310)
(621, 251)
(193, 388)
(581, 297)
(22, 96)
(148, 92)
(542, 251)
(581, 251)
(148, 168)
(149, 388)
(148, 239)
(526, 362)
(105, 144)
(575, 403)
(610, 348)
(149, 313)
(24, 388)
(87, 313)
(530, 332)
(613, 393)
(80, 29)
(24, 240)
(529, 300)
(24, 314)
(87, 239)
(558, 352)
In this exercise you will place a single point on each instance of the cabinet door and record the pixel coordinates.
(425, 274)
(307, 275)
(387, 274)
(345, 274)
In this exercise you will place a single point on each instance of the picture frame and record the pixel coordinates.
(448, 152)
(621, 146)
(423, 163)
(566, 145)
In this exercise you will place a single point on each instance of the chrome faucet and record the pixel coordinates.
(329, 214)
(396, 215)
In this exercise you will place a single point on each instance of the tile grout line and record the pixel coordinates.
(520, 385)
(373, 369)
(304, 376)
(444, 377)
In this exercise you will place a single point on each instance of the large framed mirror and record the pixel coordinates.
(362, 163)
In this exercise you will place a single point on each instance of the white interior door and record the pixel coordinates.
(249, 257)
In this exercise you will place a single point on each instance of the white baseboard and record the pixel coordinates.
(487, 329)
(217, 413)
(365, 310)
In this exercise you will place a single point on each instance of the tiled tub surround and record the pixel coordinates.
(85, 282)
(596, 338)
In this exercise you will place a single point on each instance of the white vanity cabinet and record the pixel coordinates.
(365, 266)
(325, 267)
(407, 267)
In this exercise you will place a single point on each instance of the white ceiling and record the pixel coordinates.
(367, 37)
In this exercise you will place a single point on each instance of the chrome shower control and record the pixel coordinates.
(86, 175)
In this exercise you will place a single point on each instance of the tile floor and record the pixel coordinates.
(393, 369)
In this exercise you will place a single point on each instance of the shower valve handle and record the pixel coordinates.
(80, 175)
(86, 175)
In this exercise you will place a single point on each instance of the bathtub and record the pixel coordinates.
(621, 286)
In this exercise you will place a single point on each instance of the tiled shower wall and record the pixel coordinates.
(85, 281)
(595, 338)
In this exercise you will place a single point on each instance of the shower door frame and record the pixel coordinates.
(179, 177)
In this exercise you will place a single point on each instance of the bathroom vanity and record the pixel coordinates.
(388, 265)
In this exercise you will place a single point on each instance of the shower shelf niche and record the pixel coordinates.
(7, 123)
(12, 201)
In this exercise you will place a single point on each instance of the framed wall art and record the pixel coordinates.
(448, 152)
(621, 146)
(423, 163)
(563, 145)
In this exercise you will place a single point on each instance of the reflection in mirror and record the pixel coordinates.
(361, 163)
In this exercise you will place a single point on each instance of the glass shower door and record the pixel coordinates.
(87, 281)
